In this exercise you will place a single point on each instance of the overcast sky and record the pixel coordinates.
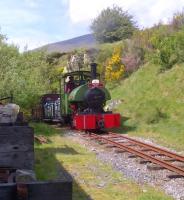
(38, 22)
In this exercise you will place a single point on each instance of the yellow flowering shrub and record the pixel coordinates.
(114, 68)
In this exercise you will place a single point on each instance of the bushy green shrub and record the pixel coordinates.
(180, 45)
(170, 50)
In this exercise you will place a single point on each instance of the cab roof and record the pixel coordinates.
(85, 73)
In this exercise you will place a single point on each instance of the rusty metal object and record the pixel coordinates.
(22, 192)
(5, 173)
(111, 138)
(41, 139)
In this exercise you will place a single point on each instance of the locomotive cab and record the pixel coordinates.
(79, 79)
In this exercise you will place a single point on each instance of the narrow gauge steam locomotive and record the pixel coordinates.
(85, 103)
(82, 100)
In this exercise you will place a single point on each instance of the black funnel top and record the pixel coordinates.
(93, 70)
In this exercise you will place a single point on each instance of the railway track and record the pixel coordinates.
(164, 158)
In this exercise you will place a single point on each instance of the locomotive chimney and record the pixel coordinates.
(93, 70)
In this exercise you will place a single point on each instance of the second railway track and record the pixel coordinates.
(150, 153)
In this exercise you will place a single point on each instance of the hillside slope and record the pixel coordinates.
(85, 41)
(154, 103)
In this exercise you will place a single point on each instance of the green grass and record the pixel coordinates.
(43, 129)
(154, 103)
(93, 178)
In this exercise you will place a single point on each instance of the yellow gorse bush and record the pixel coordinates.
(114, 68)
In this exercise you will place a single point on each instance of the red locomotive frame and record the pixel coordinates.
(96, 121)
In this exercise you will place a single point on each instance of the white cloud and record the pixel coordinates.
(32, 3)
(27, 42)
(146, 12)
(17, 16)
(85, 10)
(64, 2)
(30, 39)
(16, 22)
(164, 10)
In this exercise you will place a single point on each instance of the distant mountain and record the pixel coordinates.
(85, 41)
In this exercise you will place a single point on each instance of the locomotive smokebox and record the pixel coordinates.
(93, 70)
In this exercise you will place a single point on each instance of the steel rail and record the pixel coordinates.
(162, 163)
(151, 147)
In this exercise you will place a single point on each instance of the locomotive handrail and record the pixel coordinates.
(5, 98)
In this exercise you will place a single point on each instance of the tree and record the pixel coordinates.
(22, 74)
(113, 24)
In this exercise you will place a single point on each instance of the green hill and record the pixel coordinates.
(85, 41)
(153, 102)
